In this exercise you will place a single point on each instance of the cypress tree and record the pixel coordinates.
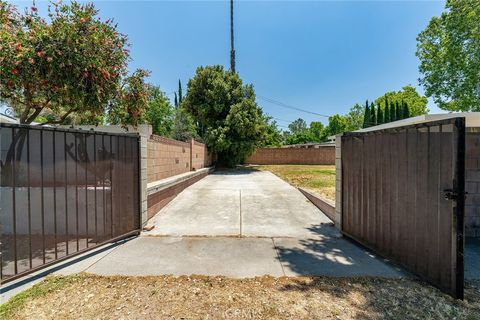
(373, 114)
(398, 111)
(380, 116)
(180, 97)
(175, 100)
(406, 110)
(393, 114)
(366, 116)
(387, 112)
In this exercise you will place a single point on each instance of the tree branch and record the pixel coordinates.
(32, 116)
(59, 121)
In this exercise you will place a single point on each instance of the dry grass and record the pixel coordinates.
(319, 179)
(201, 297)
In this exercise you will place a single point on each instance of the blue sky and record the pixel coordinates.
(323, 56)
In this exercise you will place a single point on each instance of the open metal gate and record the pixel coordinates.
(64, 192)
(403, 196)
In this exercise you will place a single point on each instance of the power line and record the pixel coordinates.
(278, 119)
(284, 105)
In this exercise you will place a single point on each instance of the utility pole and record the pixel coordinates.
(232, 49)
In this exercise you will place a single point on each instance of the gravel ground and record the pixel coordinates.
(200, 297)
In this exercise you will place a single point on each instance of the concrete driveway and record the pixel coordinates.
(235, 223)
(241, 223)
(241, 203)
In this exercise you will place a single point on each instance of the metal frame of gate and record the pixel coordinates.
(397, 190)
(64, 192)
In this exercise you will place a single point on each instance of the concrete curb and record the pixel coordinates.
(154, 187)
(325, 205)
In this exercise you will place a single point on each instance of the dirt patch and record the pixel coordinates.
(201, 297)
(319, 179)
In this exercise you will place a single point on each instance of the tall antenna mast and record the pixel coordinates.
(232, 49)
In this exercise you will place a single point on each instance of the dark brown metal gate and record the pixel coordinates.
(64, 192)
(403, 195)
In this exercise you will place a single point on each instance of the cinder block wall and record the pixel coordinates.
(472, 180)
(168, 157)
(200, 156)
(322, 155)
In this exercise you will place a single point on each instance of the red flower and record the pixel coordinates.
(40, 53)
(14, 71)
(85, 74)
(34, 9)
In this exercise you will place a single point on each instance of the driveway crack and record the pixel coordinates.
(278, 256)
(240, 192)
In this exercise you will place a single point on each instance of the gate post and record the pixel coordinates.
(338, 181)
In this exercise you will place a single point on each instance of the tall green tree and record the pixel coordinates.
(232, 123)
(449, 55)
(393, 112)
(316, 131)
(355, 117)
(398, 111)
(405, 110)
(160, 114)
(367, 117)
(373, 115)
(336, 124)
(380, 116)
(180, 95)
(417, 102)
(175, 100)
(184, 127)
(297, 126)
(131, 105)
(273, 136)
(387, 112)
(71, 64)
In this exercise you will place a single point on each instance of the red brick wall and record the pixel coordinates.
(472, 181)
(321, 155)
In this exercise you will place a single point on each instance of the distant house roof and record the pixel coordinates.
(7, 119)
(310, 145)
(472, 119)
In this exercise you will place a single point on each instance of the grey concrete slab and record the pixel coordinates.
(239, 202)
(279, 213)
(233, 257)
(331, 257)
(472, 258)
(206, 212)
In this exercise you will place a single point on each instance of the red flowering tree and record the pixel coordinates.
(68, 68)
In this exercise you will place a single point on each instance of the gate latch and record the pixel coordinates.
(450, 194)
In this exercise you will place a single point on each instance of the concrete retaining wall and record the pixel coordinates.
(322, 155)
(472, 181)
(160, 196)
(325, 205)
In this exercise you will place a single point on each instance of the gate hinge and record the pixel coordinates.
(450, 194)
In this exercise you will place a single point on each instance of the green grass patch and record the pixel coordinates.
(319, 179)
(50, 284)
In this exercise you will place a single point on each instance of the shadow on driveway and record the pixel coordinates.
(330, 254)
